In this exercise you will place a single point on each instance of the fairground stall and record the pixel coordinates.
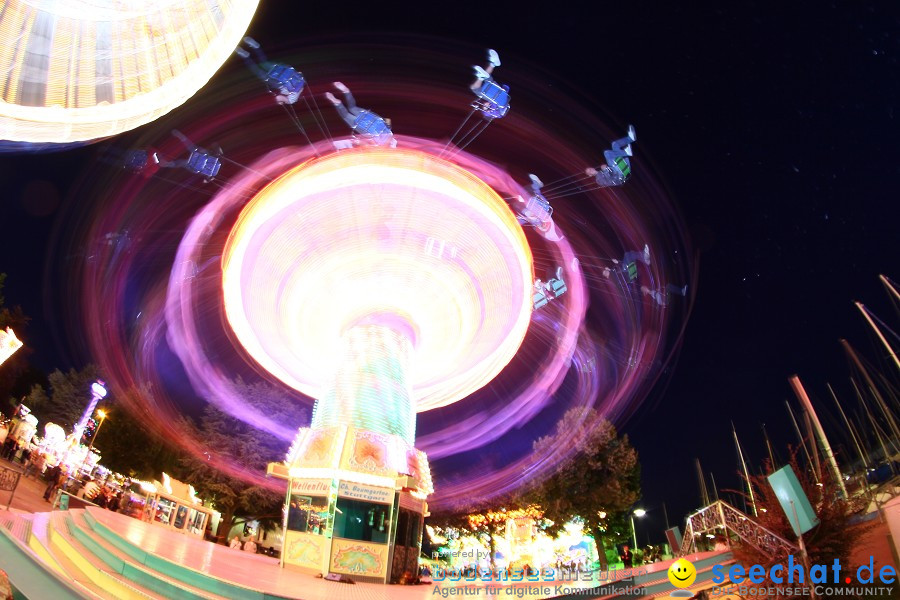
(174, 504)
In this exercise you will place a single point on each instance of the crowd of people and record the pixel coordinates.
(12, 450)
(105, 493)
(572, 566)
(648, 555)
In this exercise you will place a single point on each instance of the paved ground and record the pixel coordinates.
(28, 498)
(876, 543)
(237, 566)
(29, 495)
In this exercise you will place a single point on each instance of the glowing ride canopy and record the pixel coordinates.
(393, 238)
(85, 69)
(9, 343)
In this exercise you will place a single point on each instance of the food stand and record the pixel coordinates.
(173, 504)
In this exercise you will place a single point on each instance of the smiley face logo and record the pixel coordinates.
(682, 573)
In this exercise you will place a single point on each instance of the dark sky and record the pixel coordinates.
(774, 127)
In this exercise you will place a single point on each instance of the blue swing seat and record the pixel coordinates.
(493, 99)
(558, 286)
(537, 210)
(370, 126)
(136, 160)
(203, 163)
(285, 80)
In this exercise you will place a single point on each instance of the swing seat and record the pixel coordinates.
(537, 210)
(631, 271)
(136, 160)
(370, 126)
(558, 287)
(539, 300)
(493, 99)
(204, 164)
(285, 80)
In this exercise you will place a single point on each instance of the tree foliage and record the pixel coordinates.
(230, 440)
(488, 519)
(128, 447)
(597, 483)
(70, 393)
(37, 400)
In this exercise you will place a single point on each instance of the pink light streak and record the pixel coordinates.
(609, 365)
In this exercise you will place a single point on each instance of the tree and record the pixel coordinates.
(488, 519)
(70, 394)
(11, 317)
(493, 522)
(597, 483)
(229, 440)
(37, 400)
(833, 538)
(127, 446)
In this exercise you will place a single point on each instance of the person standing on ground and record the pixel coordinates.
(53, 474)
(627, 557)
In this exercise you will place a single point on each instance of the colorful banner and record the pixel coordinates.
(305, 549)
(352, 557)
(369, 452)
(322, 448)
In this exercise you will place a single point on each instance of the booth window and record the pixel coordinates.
(308, 514)
(164, 510)
(197, 521)
(359, 520)
(180, 516)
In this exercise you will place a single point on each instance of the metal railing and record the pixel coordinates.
(721, 515)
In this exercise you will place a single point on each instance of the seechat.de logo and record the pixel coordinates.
(794, 572)
(682, 574)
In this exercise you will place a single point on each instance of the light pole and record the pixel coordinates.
(102, 414)
(638, 512)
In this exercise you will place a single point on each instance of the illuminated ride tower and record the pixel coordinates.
(381, 282)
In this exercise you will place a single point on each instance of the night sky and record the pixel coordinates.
(773, 128)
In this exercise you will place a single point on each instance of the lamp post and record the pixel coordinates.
(102, 414)
(638, 512)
